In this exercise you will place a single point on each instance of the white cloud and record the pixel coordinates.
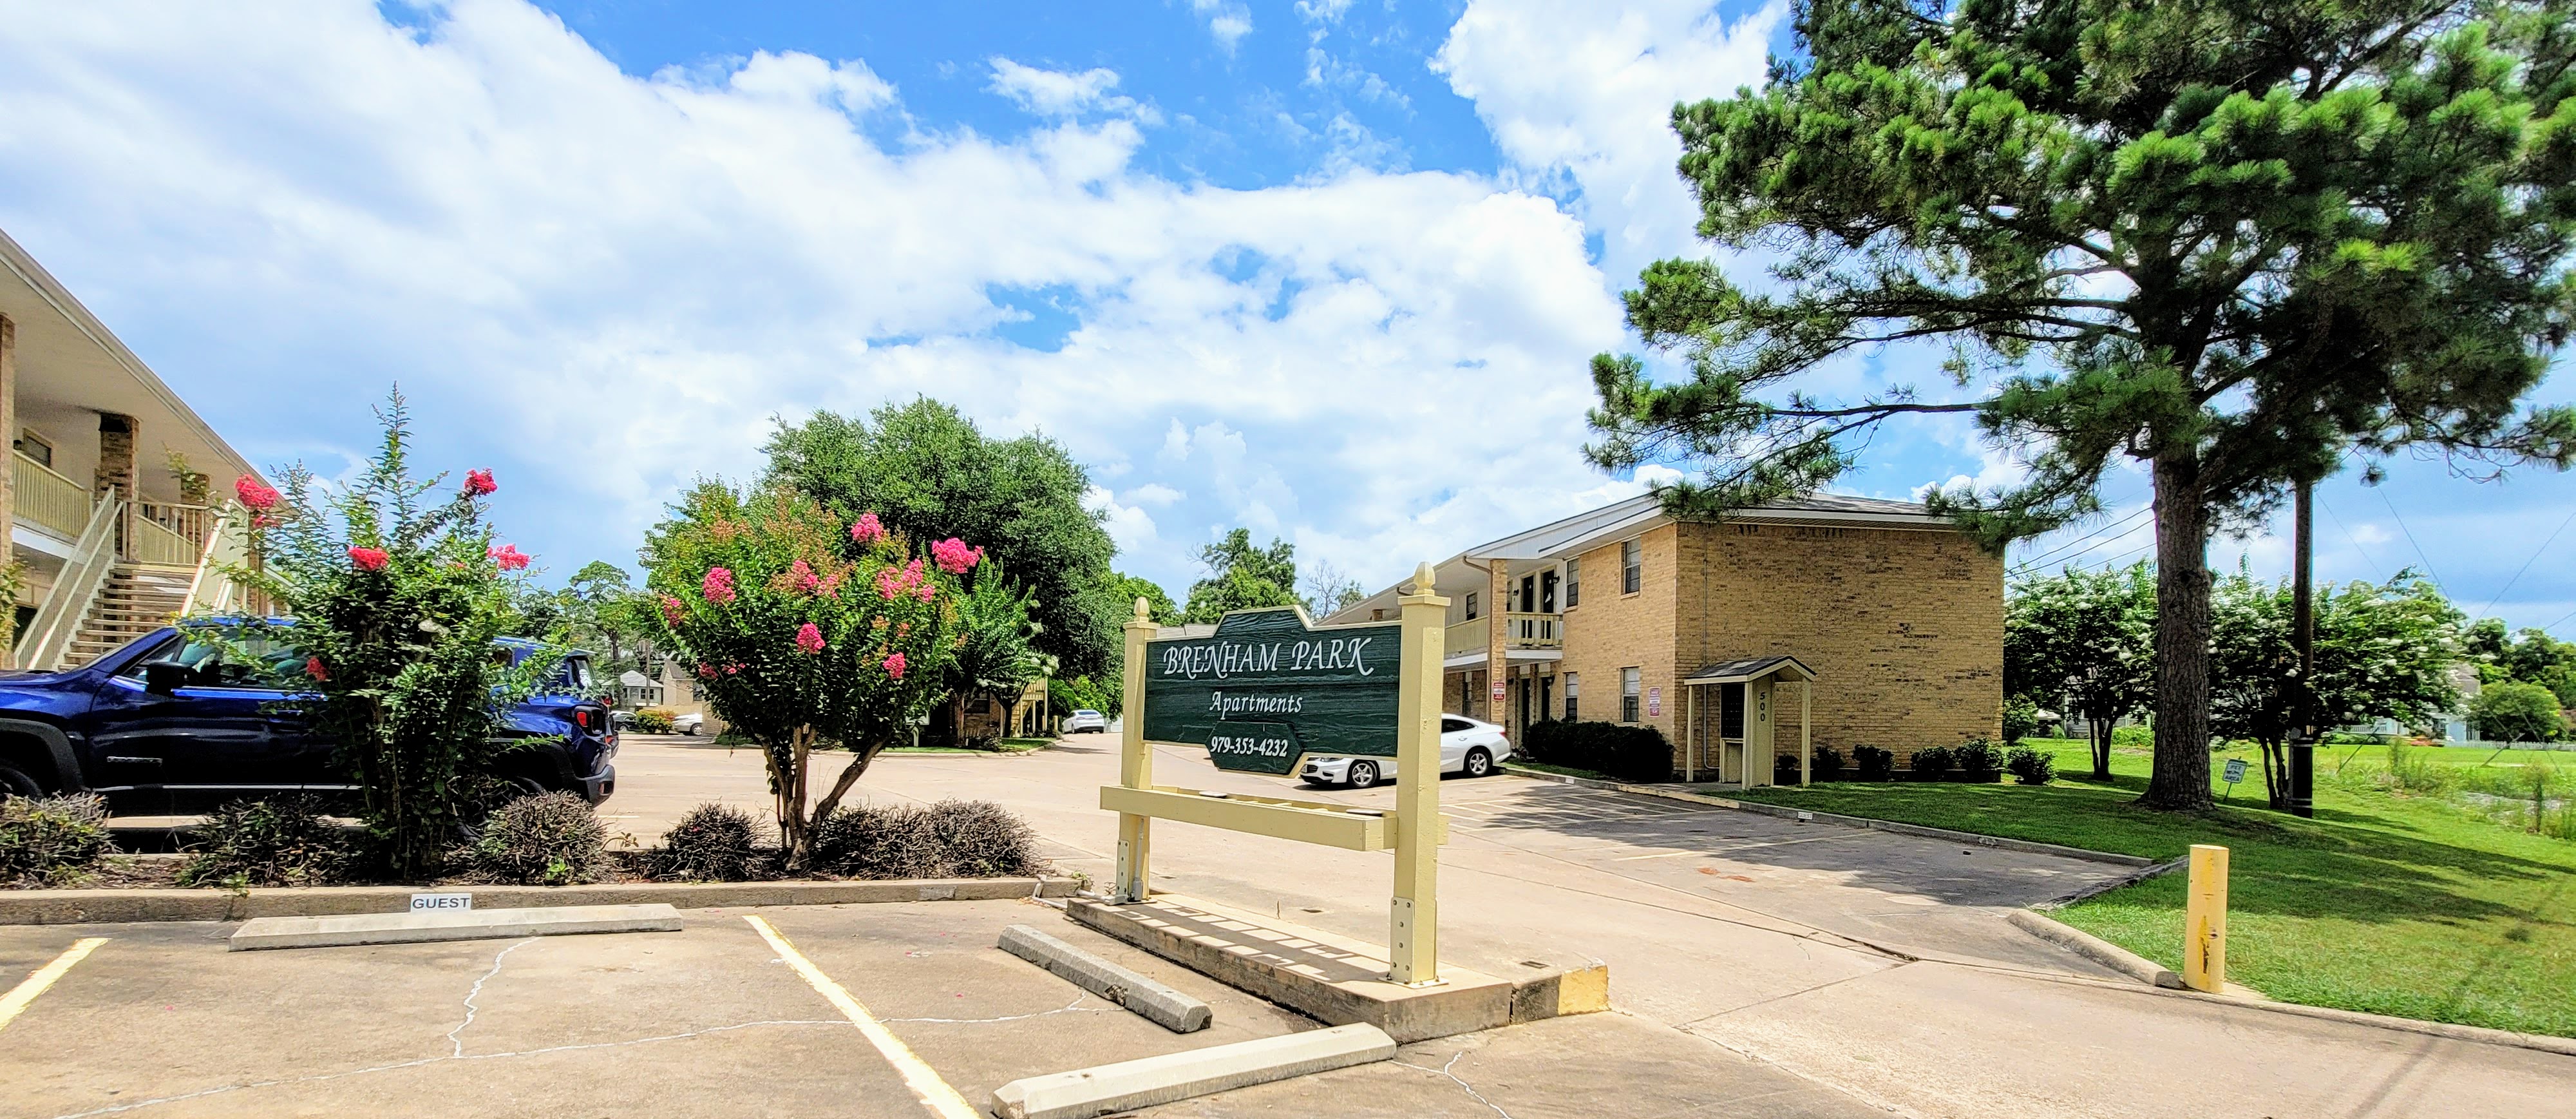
(1154, 493)
(1571, 90)
(1056, 93)
(605, 285)
(1130, 527)
(1228, 21)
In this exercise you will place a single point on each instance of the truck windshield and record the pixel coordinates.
(574, 676)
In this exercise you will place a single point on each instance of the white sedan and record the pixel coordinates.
(692, 723)
(1467, 746)
(1085, 721)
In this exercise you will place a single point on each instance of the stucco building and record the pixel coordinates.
(1714, 632)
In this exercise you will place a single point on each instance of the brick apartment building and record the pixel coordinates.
(1881, 622)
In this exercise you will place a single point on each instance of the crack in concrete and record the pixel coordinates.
(456, 1043)
(1443, 1070)
(1076, 1004)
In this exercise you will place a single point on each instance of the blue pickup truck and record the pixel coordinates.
(171, 725)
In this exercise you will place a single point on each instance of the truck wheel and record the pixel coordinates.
(18, 782)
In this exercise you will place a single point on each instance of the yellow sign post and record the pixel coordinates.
(2204, 950)
(1414, 828)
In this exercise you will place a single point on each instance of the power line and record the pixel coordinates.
(2347, 535)
(2526, 564)
(2410, 541)
(2032, 564)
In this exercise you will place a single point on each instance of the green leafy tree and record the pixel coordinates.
(2384, 651)
(397, 593)
(802, 634)
(2230, 241)
(993, 658)
(2083, 642)
(929, 474)
(2517, 712)
(1242, 577)
(1158, 602)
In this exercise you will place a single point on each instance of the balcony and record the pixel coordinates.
(1520, 631)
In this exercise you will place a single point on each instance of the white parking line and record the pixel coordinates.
(24, 993)
(934, 1093)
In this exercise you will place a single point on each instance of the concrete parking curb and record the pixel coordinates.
(75, 907)
(1152, 1001)
(470, 924)
(1128, 1085)
(2095, 948)
(1808, 816)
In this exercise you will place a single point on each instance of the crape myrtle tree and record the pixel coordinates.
(2383, 651)
(395, 592)
(2084, 642)
(805, 630)
(2232, 241)
(928, 473)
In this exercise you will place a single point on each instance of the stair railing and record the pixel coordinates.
(212, 591)
(67, 605)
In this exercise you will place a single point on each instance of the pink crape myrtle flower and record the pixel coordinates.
(926, 591)
(313, 668)
(479, 482)
(809, 638)
(718, 585)
(801, 576)
(954, 556)
(256, 496)
(509, 557)
(733, 669)
(894, 666)
(674, 611)
(829, 586)
(894, 582)
(369, 559)
(867, 529)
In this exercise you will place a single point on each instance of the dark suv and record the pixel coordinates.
(172, 725)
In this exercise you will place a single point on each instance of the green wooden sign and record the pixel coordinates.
(1266, 688)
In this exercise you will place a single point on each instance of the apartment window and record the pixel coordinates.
(1573, 583)
(1632, 567)
(35, 447)
(1571, 686)
(1471, 606)
(1629, 679)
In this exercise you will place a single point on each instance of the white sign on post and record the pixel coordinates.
(441, 903)
(2235, 773)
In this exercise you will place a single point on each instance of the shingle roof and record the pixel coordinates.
(1742, 669)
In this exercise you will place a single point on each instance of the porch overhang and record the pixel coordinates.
(1475, 658)
(1745, 670)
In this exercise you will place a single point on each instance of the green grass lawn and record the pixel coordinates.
(2385, 902)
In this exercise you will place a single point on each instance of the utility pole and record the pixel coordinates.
(2303, 606)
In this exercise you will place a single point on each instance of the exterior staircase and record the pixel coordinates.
(136, 599)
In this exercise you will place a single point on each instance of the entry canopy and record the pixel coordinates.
(1745, 670)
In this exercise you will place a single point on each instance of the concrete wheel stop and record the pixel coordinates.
(1332, 979)
(469, 924)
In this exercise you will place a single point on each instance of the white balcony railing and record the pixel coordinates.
(1520, 631)
(46, 499)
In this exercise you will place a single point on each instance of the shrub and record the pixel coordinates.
(2031, 767)
(2021, 717)
(1825, 763)
(1874, 764)
(950, 839)
(1978, 757)
(1784, 769)
(1933, 761)
(712, 843)
(283, 841)
(52, 841)
(981, 839)
(877, 841)
(651, 720)
(2133, 736)
(1617, 750)
(545, 839)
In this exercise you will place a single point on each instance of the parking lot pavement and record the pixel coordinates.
(712, 1021)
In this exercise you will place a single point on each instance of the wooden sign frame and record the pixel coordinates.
(1413, 828)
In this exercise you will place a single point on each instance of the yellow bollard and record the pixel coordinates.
(2204, 950)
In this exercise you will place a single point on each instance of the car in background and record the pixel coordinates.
(1468, 747)
(695, 722)
(1086, 721)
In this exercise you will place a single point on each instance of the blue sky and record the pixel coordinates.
(1328, 269)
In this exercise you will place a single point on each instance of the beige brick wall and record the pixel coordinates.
(1610, 631)
(1904, 628)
